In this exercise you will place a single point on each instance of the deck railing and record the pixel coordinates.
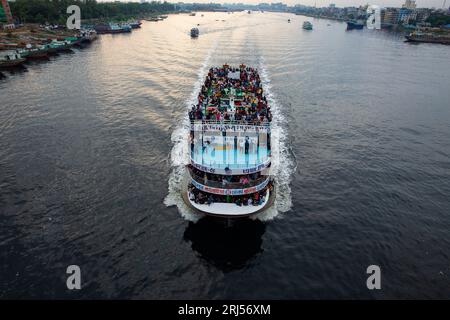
(228, 185)
(232, 122)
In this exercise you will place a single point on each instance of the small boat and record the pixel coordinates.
(121, 28)
(135, 24)
(358, 25)
(307, 25)
(163, 17)
(153, 19)
(10, 58)
(192, 14)
(34, 53)
(88, 35)
(57, 46)
(194, 32)
(428, 37)
(112, 28)
(73, 41)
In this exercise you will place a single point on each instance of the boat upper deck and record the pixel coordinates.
(232, 94)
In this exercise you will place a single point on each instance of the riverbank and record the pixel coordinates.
(32, 34)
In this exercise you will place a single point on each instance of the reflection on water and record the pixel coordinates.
(93, 143)
(226, 246)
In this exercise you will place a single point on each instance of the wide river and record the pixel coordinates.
(92, 148)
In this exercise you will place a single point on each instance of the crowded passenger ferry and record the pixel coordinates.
(230, 145)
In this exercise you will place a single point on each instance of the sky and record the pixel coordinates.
(325, 3)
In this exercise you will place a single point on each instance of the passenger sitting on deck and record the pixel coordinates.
(256, 199)
(262, 200)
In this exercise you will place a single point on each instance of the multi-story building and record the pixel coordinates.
(406, 15)
(410, 4)
(389, 16)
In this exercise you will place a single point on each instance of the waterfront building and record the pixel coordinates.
(389, 17)
(410, 4)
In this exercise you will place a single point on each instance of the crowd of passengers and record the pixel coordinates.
(244, 180)
(254, 199)
(252, 107)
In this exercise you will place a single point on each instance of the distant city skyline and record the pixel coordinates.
(319, 3)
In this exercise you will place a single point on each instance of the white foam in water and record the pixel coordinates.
(282, 164)
(180, 152)
(280, 153)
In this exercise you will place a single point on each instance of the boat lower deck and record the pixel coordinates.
(229, 210)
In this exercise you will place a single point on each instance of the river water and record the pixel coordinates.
(92, 147)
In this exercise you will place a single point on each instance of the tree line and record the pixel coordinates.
(54, 11)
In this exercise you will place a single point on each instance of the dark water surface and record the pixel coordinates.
(88, 158)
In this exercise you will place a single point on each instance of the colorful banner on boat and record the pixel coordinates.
(232, 192)
(229, 128)
(233, 171)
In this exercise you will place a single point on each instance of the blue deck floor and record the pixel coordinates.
(232, 158)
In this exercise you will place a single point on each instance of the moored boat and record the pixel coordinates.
(113, 28)
(10, 58)
(307, 25)
(135, 24)
(428, 37)
(73, 41)
(352, 24)
(88, 35)
(230, 143)
(60, 46)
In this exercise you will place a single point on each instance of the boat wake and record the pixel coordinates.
(283, 165)
(179, 157)
(282, 162)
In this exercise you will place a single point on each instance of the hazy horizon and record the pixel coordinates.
(319, 3)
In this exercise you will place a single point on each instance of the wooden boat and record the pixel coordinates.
(135, 24)
(88, 35)
(428, 37)
(9, 59)
(36, 53)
